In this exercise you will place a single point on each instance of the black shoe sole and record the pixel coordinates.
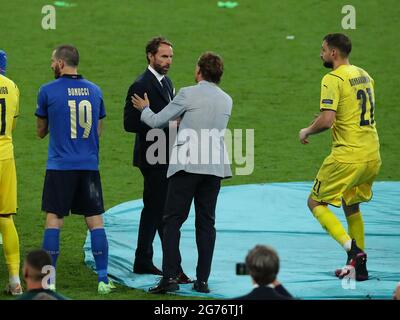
(164, 290)
(200, 289)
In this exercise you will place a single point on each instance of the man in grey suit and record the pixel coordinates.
(196, 167)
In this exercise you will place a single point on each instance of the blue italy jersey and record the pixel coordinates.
(73, 107)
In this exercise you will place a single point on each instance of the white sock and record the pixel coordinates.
(347, 245)
(14, 280)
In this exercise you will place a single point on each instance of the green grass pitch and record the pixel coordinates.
(274, 82)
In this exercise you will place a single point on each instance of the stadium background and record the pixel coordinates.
(274, 82)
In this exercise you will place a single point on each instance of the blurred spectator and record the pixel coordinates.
(35, 277)
(262, 263)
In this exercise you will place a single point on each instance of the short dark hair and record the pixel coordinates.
(263, 264)
(36, 260)
(339, 41)
(153, 45)
(67, 53)
(211, 67)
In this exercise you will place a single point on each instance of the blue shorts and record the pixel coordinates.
(75, 191)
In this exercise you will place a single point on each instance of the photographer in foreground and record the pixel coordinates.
(262, 263)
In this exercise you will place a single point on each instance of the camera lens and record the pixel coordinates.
(241, 269)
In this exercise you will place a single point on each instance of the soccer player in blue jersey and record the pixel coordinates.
(3, 62)
(71, 110)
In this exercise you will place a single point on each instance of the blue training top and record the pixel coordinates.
(73, 107)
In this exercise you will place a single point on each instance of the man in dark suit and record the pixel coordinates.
(205, 109)
(159, 87)
(262, 263)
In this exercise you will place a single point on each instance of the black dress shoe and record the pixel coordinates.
(184, 279)
(147, 270)
(201, 286)
(165, 285)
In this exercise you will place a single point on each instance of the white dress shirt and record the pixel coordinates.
(156, 74)
(159, 78)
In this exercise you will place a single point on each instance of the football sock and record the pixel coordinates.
(10, 247)
(356, 229)
(51, 243)
(14, 280)
(100, 252)
(347, 245)
(332, 224)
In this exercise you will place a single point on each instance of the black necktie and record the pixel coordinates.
(165, 87)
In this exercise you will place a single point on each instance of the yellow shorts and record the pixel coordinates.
(350, 181)
(8, 187)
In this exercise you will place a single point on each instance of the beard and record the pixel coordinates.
(160, 69)
(57, 72)
(328, 64)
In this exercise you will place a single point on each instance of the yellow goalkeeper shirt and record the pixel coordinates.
(349, 91)
(9, 109)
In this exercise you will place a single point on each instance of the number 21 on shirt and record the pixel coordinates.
(363, 97)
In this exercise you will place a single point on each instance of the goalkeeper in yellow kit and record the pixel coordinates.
(9, 108)
(346, 176)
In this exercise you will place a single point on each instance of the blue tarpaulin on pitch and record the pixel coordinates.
(274, 214)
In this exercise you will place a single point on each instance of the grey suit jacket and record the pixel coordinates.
(199, 146)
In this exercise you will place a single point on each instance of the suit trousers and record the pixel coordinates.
(154, 195)
(183, 187)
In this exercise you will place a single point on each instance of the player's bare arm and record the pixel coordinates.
(42, 127)
(323, 122)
